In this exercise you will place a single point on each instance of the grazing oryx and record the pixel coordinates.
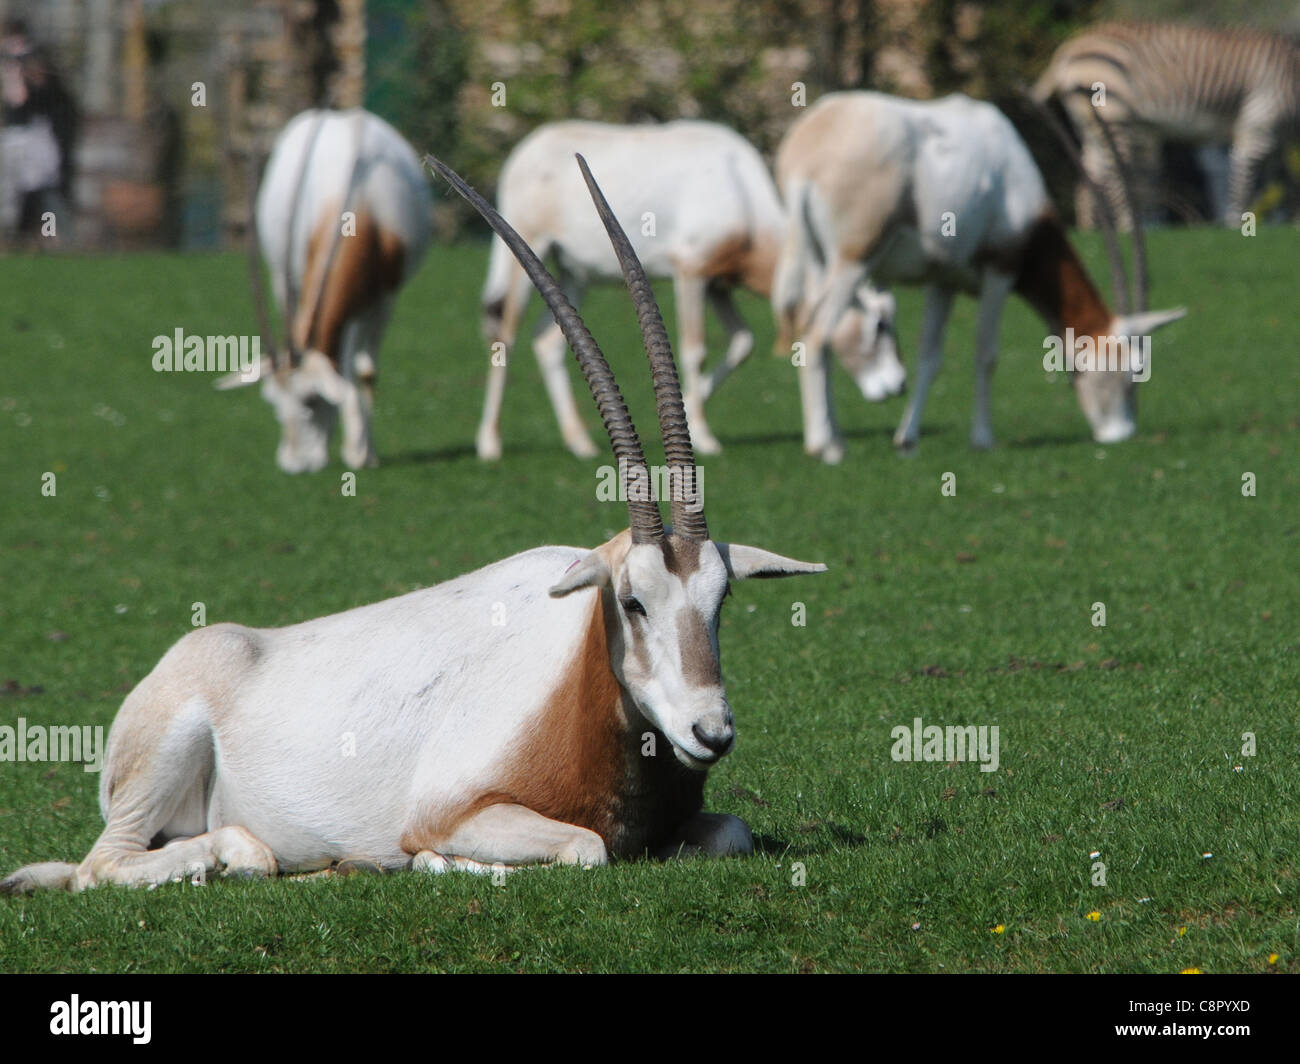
(943, 194)
(578, 730)
(343, 219)
(1192, 83)
(702, 209)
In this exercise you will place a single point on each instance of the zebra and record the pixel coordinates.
(1239, 87)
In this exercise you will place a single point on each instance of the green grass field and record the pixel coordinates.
(1123, 741)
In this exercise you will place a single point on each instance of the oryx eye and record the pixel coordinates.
(632, 605)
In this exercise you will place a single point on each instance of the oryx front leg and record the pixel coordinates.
(550, 349)
(994, 288)
(740, 341)
(513, 835)
(487, 442)
(363, 346)
(354, 415)
(688, 294)
(709, 835)
(938, 302)
(333, 387)
(500, 326)
(821, 433)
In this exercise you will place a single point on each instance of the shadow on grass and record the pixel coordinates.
(444, 454)
(1155, 434)
(805, 840)
(1055, 439)
(763, 439)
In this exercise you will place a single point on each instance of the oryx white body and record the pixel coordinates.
(700, 208)
(501, 717)
(559, 706)
(343, 220)
(942, 194)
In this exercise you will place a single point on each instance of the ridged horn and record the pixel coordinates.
(1118, 274)
(679, 455)
(1135, 234)
(256, 281)
(643, 514)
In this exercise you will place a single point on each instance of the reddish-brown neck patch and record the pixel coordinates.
(743, 260)
(581, 762)
(365, 266)
(1053, 281)
(759, 268)
(573, 760)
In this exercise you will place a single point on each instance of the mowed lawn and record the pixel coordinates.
(1120, 745)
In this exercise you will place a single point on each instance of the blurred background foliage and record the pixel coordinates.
(470, 78)
(723, 60)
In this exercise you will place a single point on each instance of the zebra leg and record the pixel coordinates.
(1253, 138)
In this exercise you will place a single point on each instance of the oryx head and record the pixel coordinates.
(661, 587)
(1107, 390)
(305, 405)
(866, 344)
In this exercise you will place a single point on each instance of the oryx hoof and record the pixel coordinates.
(581, 446)
(431, 863)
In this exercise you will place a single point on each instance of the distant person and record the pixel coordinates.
(36, 132)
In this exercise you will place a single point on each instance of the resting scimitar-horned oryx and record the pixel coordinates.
(343, 220)
(702, 209)
(578, 731)
(946, 195)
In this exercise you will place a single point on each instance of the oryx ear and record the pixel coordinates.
(1145, 322)
(745, 563)
(591, 571)
(238, 379)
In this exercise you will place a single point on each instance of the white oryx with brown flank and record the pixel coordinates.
(946, 195)
(343, 220)
(576, 732)
(700, 208)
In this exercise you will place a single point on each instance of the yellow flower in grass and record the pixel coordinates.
(1191, 971)
(1272, 958)
(997, 930)
(1094, 916)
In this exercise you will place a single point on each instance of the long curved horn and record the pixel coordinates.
(1135, 234)
(292, 354)
(687, 513)
(256, 281)
(1118, 274)
(647, 525)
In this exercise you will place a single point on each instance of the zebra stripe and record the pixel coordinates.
(1236, 86)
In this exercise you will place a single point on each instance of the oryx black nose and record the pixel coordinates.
(719, 743)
